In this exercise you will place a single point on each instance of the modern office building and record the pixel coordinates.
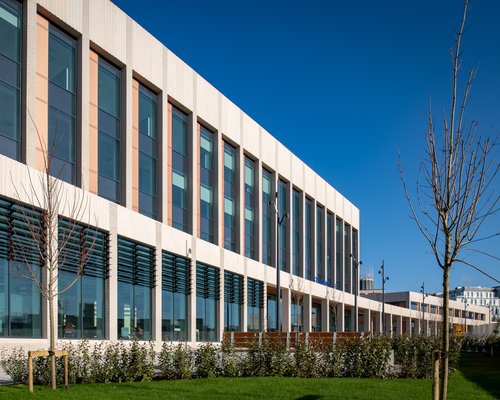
(481, 296)
(177, 182)
(426, 312)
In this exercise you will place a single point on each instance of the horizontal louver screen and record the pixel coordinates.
(233, 288)
(136, 263)
(77, 240)
(176, 273)
(255, 293)
(207, 282)
(22, 233)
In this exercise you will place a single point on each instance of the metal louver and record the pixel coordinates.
(255, 293)
(233, 288)
(136, 263)
(176, 273)
(74, 239)
(207, 282)
(22, 233)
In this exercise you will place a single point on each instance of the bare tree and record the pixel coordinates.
(44, 191)
(454, 190)
(333, 297)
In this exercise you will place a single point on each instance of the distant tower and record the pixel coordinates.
(366, 282)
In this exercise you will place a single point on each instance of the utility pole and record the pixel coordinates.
(384, 280)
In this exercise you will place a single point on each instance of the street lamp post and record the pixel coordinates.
(384, 280)
(279, 221)
(422, 290)
(356, 293)
(466, 306)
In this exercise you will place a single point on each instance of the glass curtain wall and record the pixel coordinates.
(148, 153)
(233, 301)
(136, 264)
(62, 105)
(207, 299)
(297, 232)
(283, 244)
(309, 256)
(267, 218)
(176, 287)
(81, 307)
(255, 305)
(230, 198)
(10, 78)
(320, 243)
(347, 259)
(180, 171)
(316, 318)
(110, 137)
(20, 300)
(250, 208)
(338, 254)
(207, 185)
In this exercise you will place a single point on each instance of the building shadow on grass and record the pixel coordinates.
(483, 370)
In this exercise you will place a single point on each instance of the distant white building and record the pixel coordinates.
(481, 296)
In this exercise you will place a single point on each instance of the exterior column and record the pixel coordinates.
(399, 325)
(286, 309)
(191, 308)
(388, 324)
(220, 308)
(378, 323)
(111, 305)
(156, 295)
(244, 311)
(325, 316)
(367, 321)
(306, 309)
(340, 317)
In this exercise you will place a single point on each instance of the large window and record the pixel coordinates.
(309, 256)
(283, 208)
(176, 286)
(347, 259)
(109, 146)
(230, 198)
(338, 254)
(233, 301)
(62, 105)
(267, 218)
(148, 153)
(135, 280)
(271, 313)
(330, 225)
(316, 318)
(297, 232)
(207, 185)
(255, 305)
(180, 171)
(250, 208)
(10, 78)
(20, 300)
(320, 242)
(297, 314)
(81, 308)
(207, 299)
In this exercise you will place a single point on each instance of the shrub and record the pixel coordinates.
(206, 361)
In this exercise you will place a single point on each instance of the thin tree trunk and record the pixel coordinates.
(446, 335)
(52, 345)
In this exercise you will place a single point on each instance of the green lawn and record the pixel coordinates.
(478, 378)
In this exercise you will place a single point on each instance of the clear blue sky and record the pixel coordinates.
(345, 85)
